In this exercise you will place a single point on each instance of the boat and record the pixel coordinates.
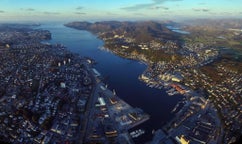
(137, 133)
(160, 87)
(151, 86)
(172, 92)
(153, 131)
(114, 92)
(177, 105)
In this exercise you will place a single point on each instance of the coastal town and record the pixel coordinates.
(50, 95)
(184, 77)
(120, 72)
(211, 109)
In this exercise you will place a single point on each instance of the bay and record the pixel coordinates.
(121, 74)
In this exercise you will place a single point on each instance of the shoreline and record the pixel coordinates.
(146, 63)
(160, 66)
(191, 97)
(133, 58)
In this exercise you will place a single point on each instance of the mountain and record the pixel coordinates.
(141, 31)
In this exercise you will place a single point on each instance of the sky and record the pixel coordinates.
(96, 10)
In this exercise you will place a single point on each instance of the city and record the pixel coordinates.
(184, 69)
(48, 95)
(121, 72)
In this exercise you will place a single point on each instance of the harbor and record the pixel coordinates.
(110, 117)
(122, 75)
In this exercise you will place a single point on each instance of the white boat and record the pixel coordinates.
(137, 133)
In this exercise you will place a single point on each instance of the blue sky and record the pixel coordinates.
(68, 10)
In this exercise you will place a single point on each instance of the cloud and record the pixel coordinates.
(147, 6)
(139, 14)
(80, 13)
(51, 13)
(138, 7)
(79, 8)
(202, 3)
(30, 9)
(27, 9)
(226, 13)
(205, 10)
(196, 9)
(162, 1)
(201, 9)
(212, 13)
(1, 11)
(110, 13)
(159, 7)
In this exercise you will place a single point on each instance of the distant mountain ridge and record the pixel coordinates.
(141, 31)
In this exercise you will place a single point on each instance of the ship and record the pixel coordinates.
(172, 92)
(137, 133)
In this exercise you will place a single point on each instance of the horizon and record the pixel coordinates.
(96, 10)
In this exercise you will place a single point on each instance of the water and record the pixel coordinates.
(122, 75)
(177, 30)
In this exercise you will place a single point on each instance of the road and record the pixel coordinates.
(84, 120)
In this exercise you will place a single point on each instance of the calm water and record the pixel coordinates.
(122, 75)
(177, 30)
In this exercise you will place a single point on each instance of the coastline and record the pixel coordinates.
(144, 61)
(174, 123)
